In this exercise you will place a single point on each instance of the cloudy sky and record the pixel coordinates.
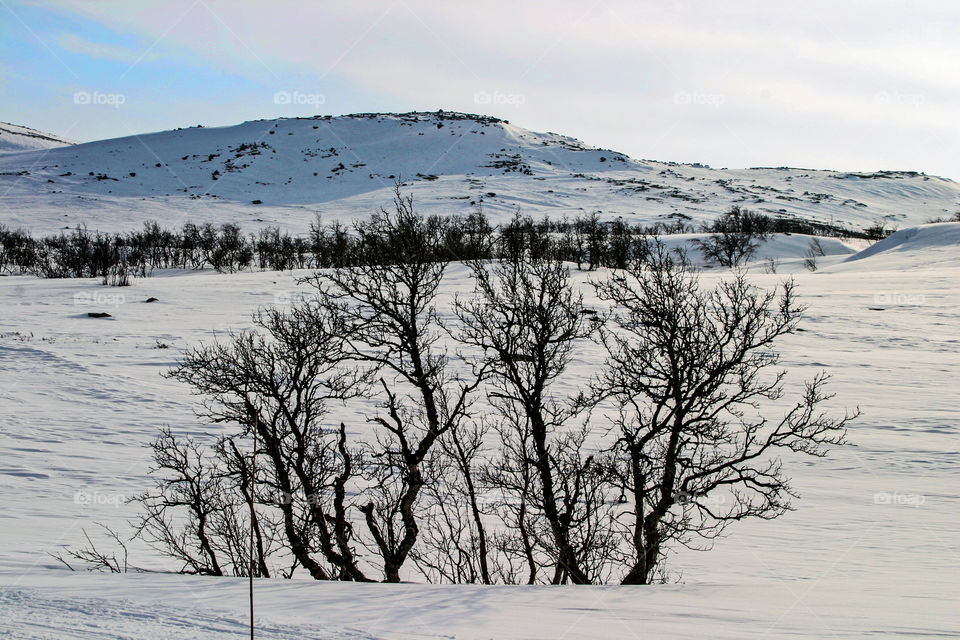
(845, 84)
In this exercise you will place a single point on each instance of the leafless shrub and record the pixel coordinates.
(94, 559)
(389, 321)
(734, 237)
(814, 251)
(689, 370)
(276, 384)
(527, 319)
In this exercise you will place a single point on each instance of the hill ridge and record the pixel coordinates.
(286, 170)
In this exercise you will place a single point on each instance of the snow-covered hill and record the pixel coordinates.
(14, 138)
(285, 171)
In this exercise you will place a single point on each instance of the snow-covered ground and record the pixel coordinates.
(871, 550)
(346, 166)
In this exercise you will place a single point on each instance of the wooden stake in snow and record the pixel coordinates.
(253, 479)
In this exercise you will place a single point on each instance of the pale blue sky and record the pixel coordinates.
(855, 84)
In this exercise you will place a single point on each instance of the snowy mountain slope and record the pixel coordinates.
(14, 138)
(346, 166)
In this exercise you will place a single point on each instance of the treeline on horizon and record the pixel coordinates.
(587, 240)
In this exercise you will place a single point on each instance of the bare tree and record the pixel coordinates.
(734, 237)
(277, 383)
(592, 237)
(692, 372)
(878, 230)
(455, 542)
(512, 481)
(527, 319)
(184, 514)
(814, 250)
(390, 323)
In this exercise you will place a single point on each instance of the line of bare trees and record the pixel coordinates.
(404, 433)
(587, 240)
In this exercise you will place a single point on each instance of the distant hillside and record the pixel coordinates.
(285, 171)
(14, 138)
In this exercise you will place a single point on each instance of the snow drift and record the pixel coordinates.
(926, 246)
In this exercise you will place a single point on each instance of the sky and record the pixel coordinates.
(845, 84)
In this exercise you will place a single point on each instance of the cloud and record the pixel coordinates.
(76, 44)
